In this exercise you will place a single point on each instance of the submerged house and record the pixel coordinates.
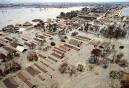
(10, 29)
(27, 24)
(5, 55)
(11, 82)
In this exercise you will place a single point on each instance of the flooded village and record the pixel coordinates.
(87, 48)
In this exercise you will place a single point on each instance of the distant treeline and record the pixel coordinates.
(59, 5)
(68, 15)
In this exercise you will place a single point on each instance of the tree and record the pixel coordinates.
(80, 68)
(71, 14)
(54, 27)
(53, 43)
(74, 34)
(63, 67)
(62, 14)
(114, 32)
(49, 27)
(32, 56)
(96, 52)
(85, 9)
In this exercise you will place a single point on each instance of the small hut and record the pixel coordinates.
(27, 24)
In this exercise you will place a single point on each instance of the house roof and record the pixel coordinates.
(20, 48)
(3, 51)
(27, 24)
(21, 29)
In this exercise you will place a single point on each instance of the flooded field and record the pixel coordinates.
(87, 48)
(125, 11)
(20, 15)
